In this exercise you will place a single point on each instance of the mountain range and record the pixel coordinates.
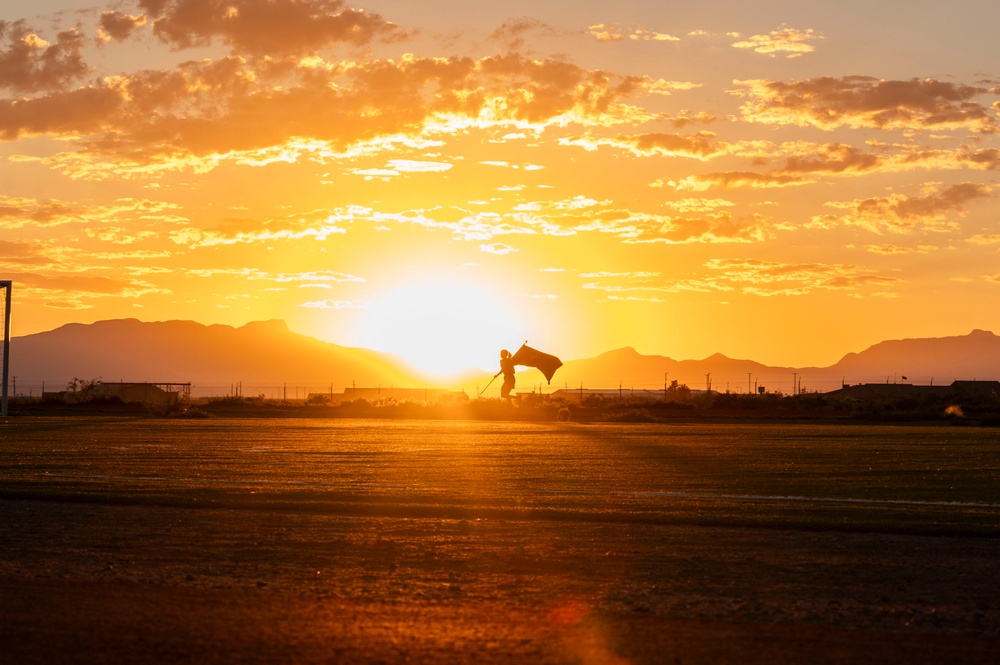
(259, 353)
(268, 354)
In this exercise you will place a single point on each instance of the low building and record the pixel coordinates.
(867, 391)
(379, 394)
(149, 394)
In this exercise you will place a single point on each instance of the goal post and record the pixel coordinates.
(5, 285)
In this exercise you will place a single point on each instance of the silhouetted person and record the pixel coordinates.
(507, 369)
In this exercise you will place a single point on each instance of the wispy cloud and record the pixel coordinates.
(334, 304)
(866, 102)
(615, 32)
(900, 213)
(790, 42)
(249, 26)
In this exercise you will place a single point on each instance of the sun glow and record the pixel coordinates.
(440, 327)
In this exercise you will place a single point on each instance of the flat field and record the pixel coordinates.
(308, 541)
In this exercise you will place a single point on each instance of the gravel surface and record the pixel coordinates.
(444, 543)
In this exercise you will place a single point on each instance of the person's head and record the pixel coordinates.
(504, 353)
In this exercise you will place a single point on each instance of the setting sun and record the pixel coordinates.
(440, 327)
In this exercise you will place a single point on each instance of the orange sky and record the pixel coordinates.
(780, 181)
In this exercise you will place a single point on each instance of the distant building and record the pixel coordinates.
(644, 394)
(897, 390)
(149, 394)
(379, 393)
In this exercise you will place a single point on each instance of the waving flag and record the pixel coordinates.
(529, 357)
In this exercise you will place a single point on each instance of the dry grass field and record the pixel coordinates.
(366, 541)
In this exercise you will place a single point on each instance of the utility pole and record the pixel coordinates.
(748, 384)
(795, 384)
(6, 286)
(708, 382)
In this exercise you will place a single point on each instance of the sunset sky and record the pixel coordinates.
(782, 181)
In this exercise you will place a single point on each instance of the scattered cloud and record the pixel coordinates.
(699, 146)
(208, 112)
(771, 278)
(193, 237)
(898, 213)
(515, 33)
(864, 102)
(985, 239)
(887, 249)
(736, 179)
(415, 166)
(258, 27)
(790, 42)
(20, 212)
(17, 252)
(748, 276)
(615, 33)
(78, 286)
(334, 304)
(30, 64)
(254, 274)
(497, 248)
(116, 26)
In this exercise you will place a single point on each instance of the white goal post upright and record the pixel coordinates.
(6, 286)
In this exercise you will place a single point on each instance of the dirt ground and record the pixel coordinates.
(89, 582)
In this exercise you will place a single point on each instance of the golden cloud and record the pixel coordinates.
(715, 226)
(30, 64)
(865, 102)
(699, 146)
(887, 249)
(192, 237)
(514, 33)
(987, 158)
(685, 118)
(309, 277)
(735, 179)
(768, 278)
(712, 228)
(22, 253)
(789, 41)
(899, 213)
(210, 111)
(266, 27)
(116, 26)
(16, 212)
(985, 239)
(497, 248)
(833, 158)
(334, 304)
(82, 111)
(614, 33)
(77, 285)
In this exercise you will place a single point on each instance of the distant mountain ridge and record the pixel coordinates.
(262, 352)
(268, 353)
(937, 360)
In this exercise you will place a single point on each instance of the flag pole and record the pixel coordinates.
(488, 385)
